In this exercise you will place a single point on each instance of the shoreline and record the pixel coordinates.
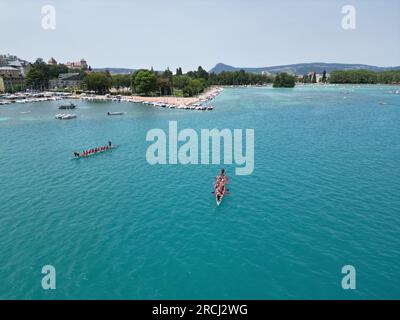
(199, 102)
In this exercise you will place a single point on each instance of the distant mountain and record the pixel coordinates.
(115, 70)
(303, 68)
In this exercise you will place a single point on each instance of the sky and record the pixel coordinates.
(189, 33)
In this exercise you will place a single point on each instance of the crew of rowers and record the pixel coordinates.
(220, 181)
(93, 151)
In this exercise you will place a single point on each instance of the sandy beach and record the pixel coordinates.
(207, 95)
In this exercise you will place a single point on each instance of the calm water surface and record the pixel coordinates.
(324, 193)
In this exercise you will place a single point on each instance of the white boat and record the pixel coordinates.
(65, 116)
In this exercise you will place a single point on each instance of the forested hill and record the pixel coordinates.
(303, 68)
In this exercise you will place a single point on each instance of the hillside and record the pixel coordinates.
(303, 68)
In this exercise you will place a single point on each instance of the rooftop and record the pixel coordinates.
(8, 68)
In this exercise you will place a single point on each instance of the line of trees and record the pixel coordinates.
(40, 73)
(284, 80)
(150, 82)
(365, 77)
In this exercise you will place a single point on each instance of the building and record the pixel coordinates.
(82, 64)
(65, 81)
(21, 65)
(12, 77)
(52, 61)
(7, 60)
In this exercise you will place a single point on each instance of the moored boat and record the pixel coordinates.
(67, 106)
(65, 116)
(117, 113)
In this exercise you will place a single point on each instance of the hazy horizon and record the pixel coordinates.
(177, 33)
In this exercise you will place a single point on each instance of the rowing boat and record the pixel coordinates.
(87, 155)
(222, 178)
(218, 198)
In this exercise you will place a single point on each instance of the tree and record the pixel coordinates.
(201, 73)
(100, 82)
(179, 71)
(194, 87)
(324, 77)
(56, 69)
(354, 76)
(167, 74)
(179, 82)
(144, 81)
(314, 78)
(38, 76)
(121, 81)
(164, 86)
(284, 80)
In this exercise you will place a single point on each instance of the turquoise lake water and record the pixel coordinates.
(324, 193)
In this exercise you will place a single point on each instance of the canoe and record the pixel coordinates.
(94, 154)
(115, 113)
(220, 198)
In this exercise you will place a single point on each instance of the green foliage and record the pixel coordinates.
(38, 76)
(389, 77)
(120, 81)
(167, 74)
(194, 87)
(179, 71)
(238, 78)
(100, 82)
(353, 76)
(284, 80)
(81, 72)
(55, 70)
(164, 86)
(179, 82)
(365, 76)
(324, 79)
(144, 81)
